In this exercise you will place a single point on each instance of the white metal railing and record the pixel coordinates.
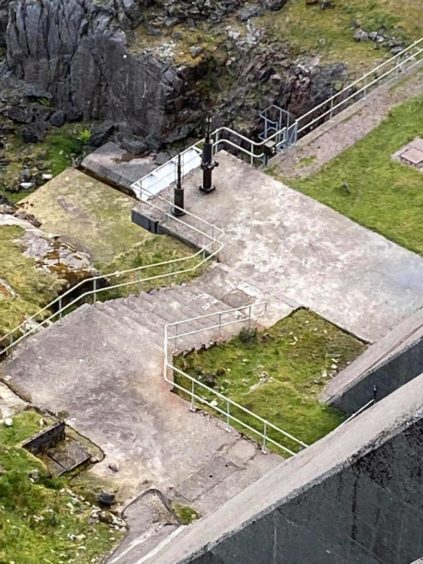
(359, 411)
(208, 237)
(357, 90)
(231, 411)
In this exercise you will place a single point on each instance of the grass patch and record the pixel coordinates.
(64, 145)
(185, 513)
(278, 374)
(366, 185)
(305, 161)
(23, 287)
(42, 520)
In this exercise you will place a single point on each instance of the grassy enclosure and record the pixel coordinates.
(41, 518)
(367, 185)
(279, 373)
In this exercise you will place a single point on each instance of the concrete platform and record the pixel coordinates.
(295, 249)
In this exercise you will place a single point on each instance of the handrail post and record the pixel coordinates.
(176, 335)
(95, 290)
(263, 446)
(228, 429)
(192, 406)
(60, 309)
(165, 351)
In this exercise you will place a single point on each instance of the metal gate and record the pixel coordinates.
(279, 126)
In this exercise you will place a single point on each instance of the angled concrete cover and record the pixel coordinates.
(354, 496)
(384, 367)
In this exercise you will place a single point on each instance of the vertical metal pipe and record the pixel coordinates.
(207, 162)
(178, 207)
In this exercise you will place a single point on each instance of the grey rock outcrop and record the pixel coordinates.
(4, 9)
(84, 55)
(75, 50)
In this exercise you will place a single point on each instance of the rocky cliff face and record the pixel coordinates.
(76, 51)
(119, 60)
(4, 9)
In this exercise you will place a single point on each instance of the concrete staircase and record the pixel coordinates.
(150, 312)
(102, 366)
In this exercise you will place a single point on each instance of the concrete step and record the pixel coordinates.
(221, 282)
(120, 320)
(150, 314)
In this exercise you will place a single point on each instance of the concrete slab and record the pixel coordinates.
(411, 154)
(10, 403)
(89, 214)
(294, 248)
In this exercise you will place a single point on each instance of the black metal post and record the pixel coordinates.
(178, 208)
(207, 162)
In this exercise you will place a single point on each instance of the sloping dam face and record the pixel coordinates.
(353, 497)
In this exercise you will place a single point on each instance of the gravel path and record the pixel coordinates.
(331, 139)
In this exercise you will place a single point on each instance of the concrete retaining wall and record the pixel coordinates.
(387, 365)
(353, 497)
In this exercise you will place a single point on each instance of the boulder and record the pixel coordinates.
(361, 35)
(34, 132)
(18, 115)
(275, 5)
(249, 12)
(134, 145)
(101, 134)
(58, 118)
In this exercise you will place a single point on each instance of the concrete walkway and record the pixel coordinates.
(297, 250)
(103, 364)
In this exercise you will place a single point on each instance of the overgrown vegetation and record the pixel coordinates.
(41, 518)
(57, 152)
(367, 185)
(277, 374)
(329, 33)
(184, 513)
